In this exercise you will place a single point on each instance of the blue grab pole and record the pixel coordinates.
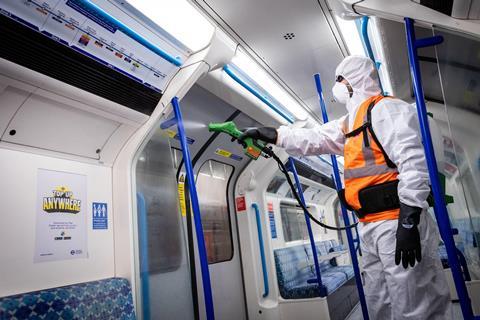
(143, 244)
(262, 250)
(357, 237)
(368, 46)
(321, 288)
(366, 38)
(338, 185)
(202, 251)
(440, 207)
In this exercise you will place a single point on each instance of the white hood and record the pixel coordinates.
(362, 75)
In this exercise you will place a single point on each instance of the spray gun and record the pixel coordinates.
(253, 148)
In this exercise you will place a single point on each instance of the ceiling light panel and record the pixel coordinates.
(250, 67)
(180, 19)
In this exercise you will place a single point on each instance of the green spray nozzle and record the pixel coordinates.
(252, 149)
(226, 127)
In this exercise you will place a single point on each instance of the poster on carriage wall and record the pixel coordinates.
(61, 216)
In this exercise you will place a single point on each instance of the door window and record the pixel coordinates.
(212, 185)
(293, 223)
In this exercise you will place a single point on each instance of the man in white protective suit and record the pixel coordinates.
(387, 185)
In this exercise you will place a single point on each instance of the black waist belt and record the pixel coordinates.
(374, 199)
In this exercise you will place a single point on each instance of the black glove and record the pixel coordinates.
(408, 238)
(266, 134)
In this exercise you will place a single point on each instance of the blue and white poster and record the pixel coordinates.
(271, 218)
(61, 216)
(273, 227)
(99, 215)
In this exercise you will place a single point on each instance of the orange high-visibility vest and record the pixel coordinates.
(365, 164)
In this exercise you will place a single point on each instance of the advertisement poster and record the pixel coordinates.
(61, 216)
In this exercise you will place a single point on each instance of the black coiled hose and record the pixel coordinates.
(284, 170)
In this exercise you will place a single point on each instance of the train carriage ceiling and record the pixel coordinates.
(293, 40)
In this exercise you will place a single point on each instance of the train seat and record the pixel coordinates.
(295, 270)
(467, 240)
(103, 299)
(329, 246)
(333, 246)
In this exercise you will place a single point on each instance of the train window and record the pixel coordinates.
(275, 184)
(290, 193)
(293, 222)
(212, 184)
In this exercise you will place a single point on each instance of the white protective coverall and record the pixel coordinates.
(392, 292)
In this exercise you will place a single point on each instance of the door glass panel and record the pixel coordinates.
(212, 184)
(459, 68)
(163, 265)
(293, 223)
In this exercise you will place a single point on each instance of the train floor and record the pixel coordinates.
(356, 313)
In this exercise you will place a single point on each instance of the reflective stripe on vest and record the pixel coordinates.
(371, 170)
(365, 164)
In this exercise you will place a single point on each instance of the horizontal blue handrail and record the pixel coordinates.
(86, 6)
(262, 250)
(229, 71)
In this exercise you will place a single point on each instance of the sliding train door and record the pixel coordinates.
(168, 266)
(163, 278)
(217, 163)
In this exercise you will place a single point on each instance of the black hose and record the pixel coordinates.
(283, 169)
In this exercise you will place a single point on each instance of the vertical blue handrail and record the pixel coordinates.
(338, 185)
(262, 250)
(357, 235)
(366, 38)
(440, 207)
(202, 251)
(143, 246)
(368, 46)
(321, 288)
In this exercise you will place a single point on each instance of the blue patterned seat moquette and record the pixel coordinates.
(103, 299)
(295, 268)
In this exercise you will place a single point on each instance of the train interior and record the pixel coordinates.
(104, 114)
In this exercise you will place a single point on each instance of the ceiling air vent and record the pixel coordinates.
(33, 50)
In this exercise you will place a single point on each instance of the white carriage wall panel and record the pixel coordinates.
(11, 98)
(49, 124)
(18, 185)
